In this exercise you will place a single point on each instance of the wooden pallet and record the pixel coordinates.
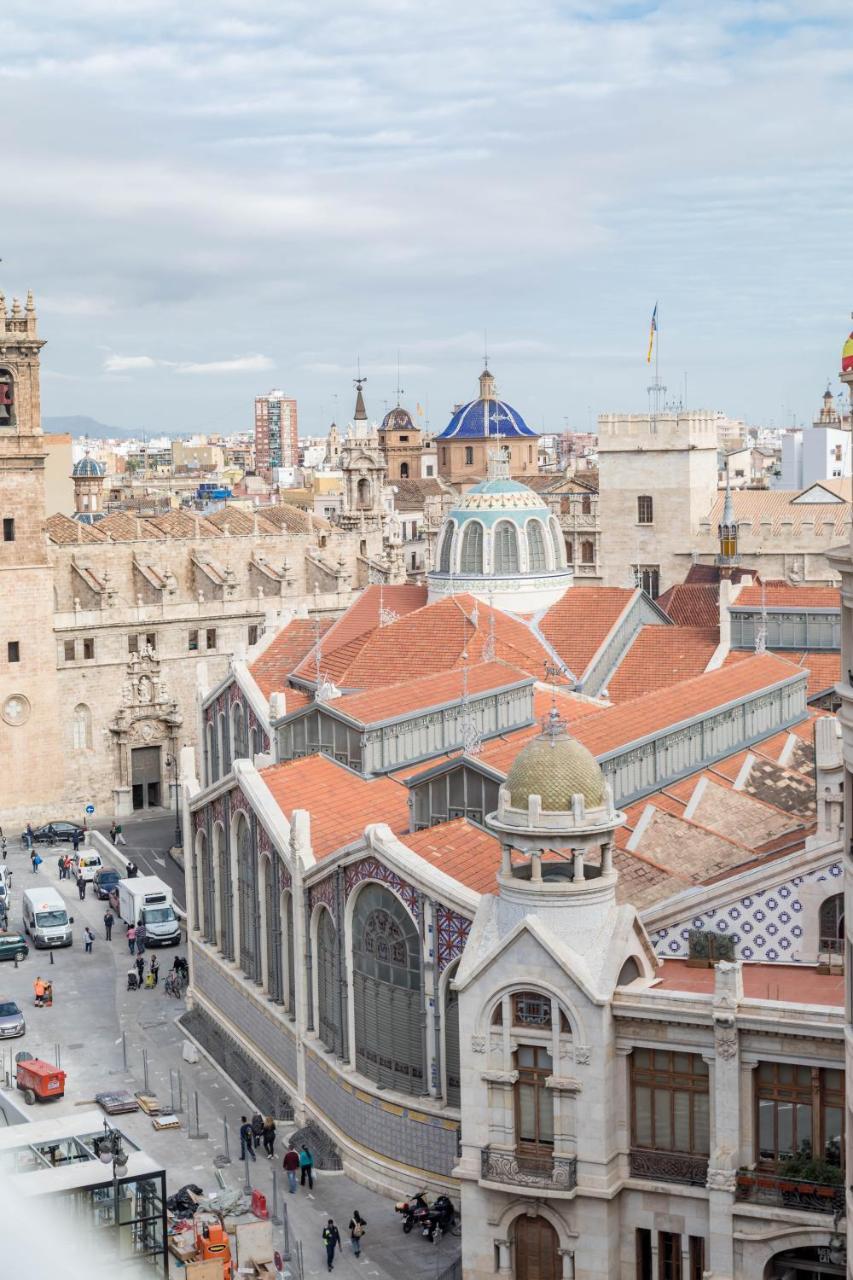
(149, 1104)
(165, 1122)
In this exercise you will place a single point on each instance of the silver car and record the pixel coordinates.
(11, 1020)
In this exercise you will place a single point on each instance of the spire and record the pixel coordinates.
(487, 386)
(360, 414)
(728, 505)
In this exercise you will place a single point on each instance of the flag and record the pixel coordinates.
(420, 411)
(652, 331)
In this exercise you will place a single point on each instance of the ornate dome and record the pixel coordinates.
(88, 468)
(847, 356)
(398, 419)
(487, 416)
(555, 767)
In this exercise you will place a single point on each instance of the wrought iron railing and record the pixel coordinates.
(765, 1187)
(519, 1169)
(669, 1166)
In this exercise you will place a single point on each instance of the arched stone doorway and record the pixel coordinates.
(536, 1249)
(814, 1262)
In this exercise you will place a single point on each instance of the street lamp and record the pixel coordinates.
(111, 1151)
(172, 763)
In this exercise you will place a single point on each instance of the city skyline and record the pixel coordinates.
(267, 199)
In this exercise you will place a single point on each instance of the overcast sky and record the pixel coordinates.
(213, 199)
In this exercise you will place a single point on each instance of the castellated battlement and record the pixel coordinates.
(696, 429)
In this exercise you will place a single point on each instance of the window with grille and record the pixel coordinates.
(226, 938)
(800, 1113)
(645, 509)
(530, 1009)
(506, 547)
(669, 1101)
(451, 1044)
(471, 560)
(386, 959)
(535, 547)
(328, 986)
(247, 898)
(446, 545)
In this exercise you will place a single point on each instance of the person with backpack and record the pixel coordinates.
(291, 1164)
(257, 1128)
(357, 1228)
(306, 1166)
(247, 1139)
(332, 1241)
(88, 939)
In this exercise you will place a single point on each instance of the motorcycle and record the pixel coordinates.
(441, 1219)
(415, 1210)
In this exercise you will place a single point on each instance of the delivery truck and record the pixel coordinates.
(148, 900)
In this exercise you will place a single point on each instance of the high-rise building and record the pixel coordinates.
(276, 432)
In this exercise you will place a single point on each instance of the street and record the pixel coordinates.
(148, 842)
(93, 1007)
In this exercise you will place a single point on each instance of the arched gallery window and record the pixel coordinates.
(446, 545)
(472, 548)
(506, 547)
(832, 923)
(247, 898)
(328, 986)
(452, 1071)
(535, 547)
(81, 728)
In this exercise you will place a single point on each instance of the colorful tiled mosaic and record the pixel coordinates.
(452, 930)
(370, 869)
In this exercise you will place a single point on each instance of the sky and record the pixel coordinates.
(213, 200)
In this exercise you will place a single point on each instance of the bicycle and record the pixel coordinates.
(175, 985)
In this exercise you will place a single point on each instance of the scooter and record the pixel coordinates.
(415, 1210)
(441, 1219)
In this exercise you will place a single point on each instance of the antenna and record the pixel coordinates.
(400, 391)
(485, 349)
(761, 633)
(472, 738)
(489, 651)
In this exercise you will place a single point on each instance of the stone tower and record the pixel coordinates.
(363, 465)
(28, 689)
(88, 477)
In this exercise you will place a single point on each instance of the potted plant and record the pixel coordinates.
(805, 1175)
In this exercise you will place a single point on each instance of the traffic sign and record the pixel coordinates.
(90, 808)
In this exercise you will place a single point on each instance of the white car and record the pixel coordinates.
(86, 863)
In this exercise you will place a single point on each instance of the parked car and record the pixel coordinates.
(106, 879)
(13, 946)
(12, 1021)
(52, 832)
(87, 863)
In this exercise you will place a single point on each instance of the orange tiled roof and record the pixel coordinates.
(581, 619)
(394, 700)
(661, 657)
(692, 604)
(461, 850)
(121, 526)
(351, 631)
(271, 669)
(341, 803)
(183, 524)
(63, 531)
(824, 667)
(793, 983)
(784, 595)
(776, 507)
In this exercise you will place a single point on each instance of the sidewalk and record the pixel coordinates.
(93, 1007)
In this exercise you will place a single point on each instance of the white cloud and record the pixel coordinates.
(237, 364)
(127, 364)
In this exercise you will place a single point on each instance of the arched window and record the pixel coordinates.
(386, 960)
(224, 897)
(536, 562)
(81, 728)
(247, 899)
(832, 924)
(471, 560)
(272, 920)
(224, 743)
(506, 547)
(363, 493)
(629, 972)
(207, 923)
(570, 551)
(469, 455)
(7, 398)
(452, 1069)
(328, 984)
(446, 546)
(587, 552)
(561, 550)
(238, 729)
(212, 760)
(404, 470)
(289, 952)
(586, 505)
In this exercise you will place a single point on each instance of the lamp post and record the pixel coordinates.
(172, 763)
(111, 1152)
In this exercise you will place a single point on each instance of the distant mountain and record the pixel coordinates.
(81, 425)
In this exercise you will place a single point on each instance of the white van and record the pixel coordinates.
(86, 863)
(46, 918)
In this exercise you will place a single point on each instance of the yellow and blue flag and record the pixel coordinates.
(652, 331)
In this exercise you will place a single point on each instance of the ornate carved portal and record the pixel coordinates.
(147, 721)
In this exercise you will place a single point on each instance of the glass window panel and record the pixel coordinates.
(662, 1060)
(643, 1116)
(785, 1127)
(663, 1123)
(526, 1113)
(804, 1128)
(642, 1058)
(834, 1080)
(546, 1115)
(681, 1121)
(786, 1073)
(526, 1055)
(700, 1067)
(766, 1135)
(833, 1131)
(681, 1061)
(804, 1077)
(701, 1125)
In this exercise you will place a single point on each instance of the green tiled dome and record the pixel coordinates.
(555, 767)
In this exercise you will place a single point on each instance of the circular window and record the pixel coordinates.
(16, 710)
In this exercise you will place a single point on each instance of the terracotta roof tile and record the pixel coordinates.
(351, 631)
(64, 531)
(341, 803)
(661, 657)
(824, 667)
(409, 696)
(784, 595)
(581, 619)
(692, 604)
(121, 526)
(462, 850)
(271, 669)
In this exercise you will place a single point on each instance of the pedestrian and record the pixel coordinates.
(154, 965)
(269, 1137)
(88, 939)
(119, 837)
(140, 968)
(60, 862)
(131, 939)
(29, 835)
(38, 988)
(306, 1166)
(109, 920)
(81, 886)
(35, 860)
(141, 935)
(357, 1228)
(68, 866)
(113, 832)
(257, 1128)
(132, 870)
(291, 1164)
(246, 1139)
(332, 1241)
(75, 841)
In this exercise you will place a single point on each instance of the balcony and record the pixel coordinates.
(761, 1186)
(557, 1173)
(669, 1166)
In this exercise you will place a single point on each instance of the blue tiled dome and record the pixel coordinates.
(88, 468)
(486, 416)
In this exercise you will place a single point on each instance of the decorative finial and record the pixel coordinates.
(16, 307)
(31, 306)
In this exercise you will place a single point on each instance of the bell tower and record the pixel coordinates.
(28, 680)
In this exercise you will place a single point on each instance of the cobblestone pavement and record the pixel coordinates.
(92, 1007)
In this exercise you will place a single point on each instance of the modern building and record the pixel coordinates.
(276, 432)
(819, 452)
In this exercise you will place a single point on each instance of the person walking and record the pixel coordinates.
(68, 866)
(357, 1228)
(247, 1140)
(141, 934)
(38, 989)
(81, 886)
(60, 862)
(28, 835)
(291, 1164)
(88, 939)
(119, 837)
(306, 1166)
(257, 1128)
(154, 966)
(109, 921)
(269, 1137)
(140, 969)
(113, 832)
(131, 939)
(332, 1241)
(35, 859)
(75, 841)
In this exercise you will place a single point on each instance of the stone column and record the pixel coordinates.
(725, 1120)
(568, 1258)
(504, 1258)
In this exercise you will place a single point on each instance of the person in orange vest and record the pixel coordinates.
(38, 988)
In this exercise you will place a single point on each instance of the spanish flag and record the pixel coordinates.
(652, 331)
